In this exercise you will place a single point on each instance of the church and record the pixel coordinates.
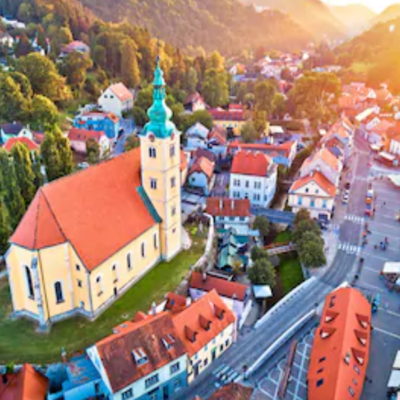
(89, 237)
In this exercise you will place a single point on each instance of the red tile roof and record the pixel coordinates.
(203, 165)
(82, 135)
(232, 391)
(121, 91)
(220, 114)
(269, 149)
(250, 163)
(326, 156)
(224, 207)
(148, 336)
(223, 287)
(340, 353)
(24, 140)
(26, 384)
(319, 179)
(189, 327)
(175, 302)
(82, 209)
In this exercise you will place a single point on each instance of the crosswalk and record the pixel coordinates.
(355, 218)
(349, 248)
(225, 374)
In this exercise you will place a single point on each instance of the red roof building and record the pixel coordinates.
(232, 391)
(225, 207)
(251, 163)
(203, 165)
(340, 353)
(319, 179)
(121, 91)
(32, 146)
(82, 135)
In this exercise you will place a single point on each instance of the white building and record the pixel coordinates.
(197, 136)
(117, 99)
(315, 193)
(78, 139)
(254, 177)
(201, 174)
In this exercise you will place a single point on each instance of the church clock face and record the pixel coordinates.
(152, 138)
(172, 135)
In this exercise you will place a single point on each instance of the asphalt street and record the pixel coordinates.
(250, 346)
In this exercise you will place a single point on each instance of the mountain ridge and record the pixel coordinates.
(356, 17)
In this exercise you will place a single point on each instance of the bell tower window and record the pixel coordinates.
(172, 150)
(153, 183)
(152, 152)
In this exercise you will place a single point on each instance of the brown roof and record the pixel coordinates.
(326, 156)
(203, 165)
(340, 353)
(188, 326)
(149, 337)
(232, 391)
(250, 163)
(224, 207)
(26, 384)
(82, 135)
(204, 153)
(175, 302)
(223, 287)
(319, 179)
(121, 91)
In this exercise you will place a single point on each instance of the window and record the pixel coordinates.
(227, 343)
(357, 370)
(155, 240)
(128, 394)
(152, 152)
(59, 292)
(173, 211)
(320, 382)
(320, 370)
(79, 283)
(299, 201)
(322, 359)
(307, 190)
(29, 282)
(175, 368)
(143, 250)
(153, 394)
(312, 203)
(242, 219)
(256, 197)
(77, 267)
(151, 381)
(316, 191)
(129, 261)
(351, 391)
(114, 273)
(177, 384)
(247, 184)
(172, 150)
(221, 348)
(173, 182)
(257, 185)
(206, 347)
(99, 286)
(324, 203)
(153, 183)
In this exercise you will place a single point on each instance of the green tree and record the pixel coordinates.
(132, 142)
(139, 116)
(191, 80)
(5, 230)
(129, 64)
(92, 151)
(23, 46)
(43, 76)
(41, 37)
(258, 253)
(303, 227)
(145, 98)
(75, 67)
(37, 171)
(25, 12)
(312, 254)
(302, 215)
(23, 171)
(264, 93)
(262, 273)
(24, 84)
(215, 88)
(13, 105)
(263, 225)
(216, 61)
(278, 106)
(60, 37)
(11, 192)
(100, 56)
(44, 113)
(260, 121)
(249, 133)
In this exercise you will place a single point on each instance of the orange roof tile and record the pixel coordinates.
(203, 165)
(268, 149)
(175, 302)
(232, 391)
(319, 179)
(340, 353)
(82, 135)
(98, 210)
(224, 207)
(23, 140)
(149, 337)
(188, 326)
(26, 384)
(223, 287)
(326, 156)
(251, 163)
(121, 91)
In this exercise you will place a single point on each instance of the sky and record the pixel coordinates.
(376, 5)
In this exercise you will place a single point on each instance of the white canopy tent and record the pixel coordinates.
(391, 268)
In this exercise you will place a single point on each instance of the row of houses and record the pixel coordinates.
(316, 187)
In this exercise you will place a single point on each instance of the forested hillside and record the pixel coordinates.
(223, 25)
(355, 17)
(388, 14)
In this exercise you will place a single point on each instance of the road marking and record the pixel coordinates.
(391, 312)
(366, 254)
(387, 333)
(371, 270)
(371, 286)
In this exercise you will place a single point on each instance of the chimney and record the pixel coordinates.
(154, 309)
(232, 204)
(221, 204)
(204, 277)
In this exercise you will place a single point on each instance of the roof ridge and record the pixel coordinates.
(39, 192)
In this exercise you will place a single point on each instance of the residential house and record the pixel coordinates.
(207, 329)
(197, 136)
(383, 96)
(340, 352)
(281, 154)
(99, 121)
(315, 193)
(144, 359)
(254, 177)
(325, 162)
(232, 250)
(377, 131)
(204, 153)
(235, 295)
(339, 139)
(217, 141)
(6, 40)
(78, 139)
(116, 99)
(194, 102)
(75, 46)
(231, 391)
(232, 119)
(393, 145)
(32, 146)
(26, 384)
(230, 213)
(201, 175)
(70, 257)
(13, 130)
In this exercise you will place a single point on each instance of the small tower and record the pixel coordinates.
(160, 159)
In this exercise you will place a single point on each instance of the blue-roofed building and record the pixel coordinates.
(99, 121)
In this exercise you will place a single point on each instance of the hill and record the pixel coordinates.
(392, 12)
(356, 17)
(313, 15)
(223, 25)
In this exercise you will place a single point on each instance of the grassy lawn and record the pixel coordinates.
(283, 237)
(20, 343)
(290, 272)
(361, 67)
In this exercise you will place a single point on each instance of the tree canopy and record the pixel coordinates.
(262, 273)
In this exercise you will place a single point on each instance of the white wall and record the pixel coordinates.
(198, 179)
(109, 102)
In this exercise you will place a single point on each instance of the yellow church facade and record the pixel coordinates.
(89, 237)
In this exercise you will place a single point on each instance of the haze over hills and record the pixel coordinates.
(356, 17)
(223, 25)
(313, 15)
(388, 14)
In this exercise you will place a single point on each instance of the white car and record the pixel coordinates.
(345, 199)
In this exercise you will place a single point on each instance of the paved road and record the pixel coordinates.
(249, 347)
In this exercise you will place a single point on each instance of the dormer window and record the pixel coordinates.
(168, 341)
(219, 312)
(140, 356)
